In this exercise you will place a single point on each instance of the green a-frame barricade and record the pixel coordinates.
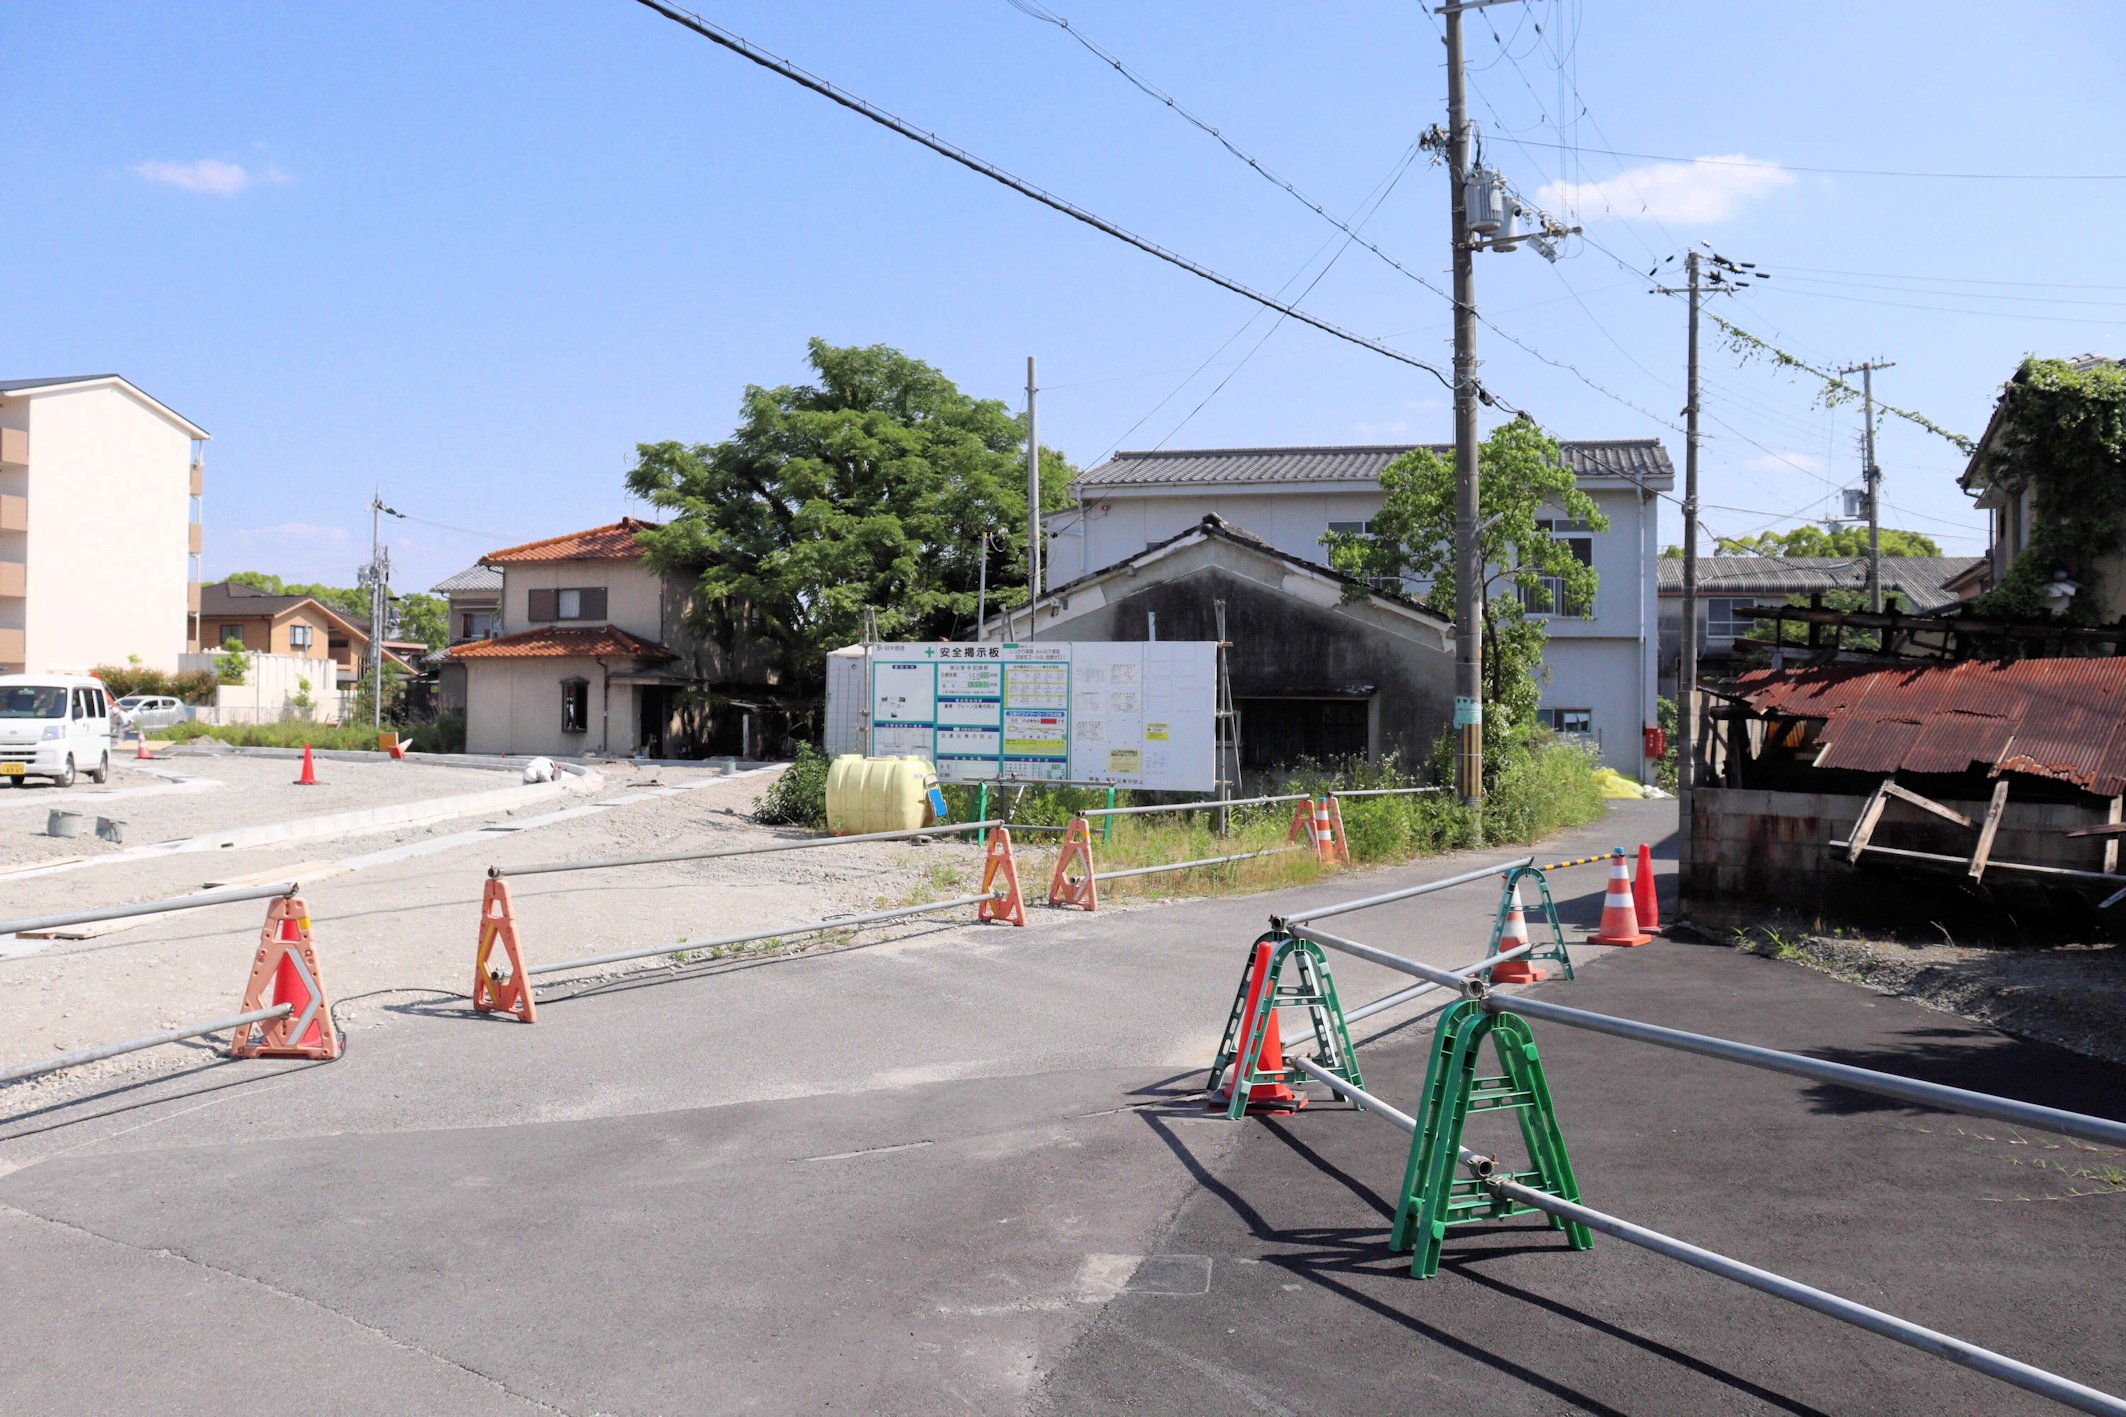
(1314, 988)
(1555, 950)
(1435, 1194)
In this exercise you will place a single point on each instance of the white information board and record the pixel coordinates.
(1136, 714)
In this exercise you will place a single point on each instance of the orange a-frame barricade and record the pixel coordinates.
(492, 993)
(285, 971)
(1084, 891)
(1011, 910)
(1302, 828)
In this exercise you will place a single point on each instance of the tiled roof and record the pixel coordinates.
(470, 581)
(612, 542)
(2063, 719)
(1918, 580)
(235, 598)
(557, 642)
(1632, 459)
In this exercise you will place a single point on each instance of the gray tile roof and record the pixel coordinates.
(1633, 459)
(1918, 580)
(473, 580)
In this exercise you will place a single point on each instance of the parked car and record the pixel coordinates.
(151, 712)
(54, 725)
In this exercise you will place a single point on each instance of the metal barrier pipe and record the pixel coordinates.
(1106, 876)
(1382, 791)
(1408, 892)
(1359, 1095)
(1924, 1094)
(811, 843)
(133, 1045)
(1192, 806)
(147, 907)
(1433, 973)
(1576, 861)
(1382, 1005)
(1926, 1340)
(809, 927)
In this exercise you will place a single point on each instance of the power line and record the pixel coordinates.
(1852, 171)
(777, 65)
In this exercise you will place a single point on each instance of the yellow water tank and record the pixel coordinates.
(880, 794)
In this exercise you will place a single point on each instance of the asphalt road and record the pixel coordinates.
(963, 1171)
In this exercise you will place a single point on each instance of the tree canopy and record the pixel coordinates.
(1523, 482)
(1817, 541)
(869, 487)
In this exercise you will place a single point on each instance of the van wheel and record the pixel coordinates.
(66, 774)
(102, 774)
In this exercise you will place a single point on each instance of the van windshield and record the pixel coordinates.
(32, 701)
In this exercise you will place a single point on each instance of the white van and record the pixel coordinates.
(54, 725)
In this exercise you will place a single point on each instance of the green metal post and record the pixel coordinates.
(1107, 826)
(981, 803)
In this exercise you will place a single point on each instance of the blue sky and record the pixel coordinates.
(474, 254)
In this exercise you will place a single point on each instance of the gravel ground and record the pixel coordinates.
(189, 794)
(2072, 996)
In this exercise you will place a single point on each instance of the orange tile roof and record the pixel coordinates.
(613, 542)
(555, 642)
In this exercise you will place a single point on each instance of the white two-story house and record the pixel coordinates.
(578, 662)
(1602, 666)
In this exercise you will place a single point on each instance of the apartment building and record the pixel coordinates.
(101, 489)
(1602, 665)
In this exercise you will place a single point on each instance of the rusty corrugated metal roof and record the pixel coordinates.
(2063, 719)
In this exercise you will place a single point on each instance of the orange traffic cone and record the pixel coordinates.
(1264, 1096)
(1620, 921)
(1337, 838)
(309, 777)
(1011, 909)
(285, 971)
(1645, 899)
(140, 750)
(1084, 890)
(510, 993)
(1512, 936)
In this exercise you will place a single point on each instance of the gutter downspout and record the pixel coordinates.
(605, 705)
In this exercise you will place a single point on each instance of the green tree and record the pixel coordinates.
(871, 486)
(1523, 478)
(233, 664)
(1820, 541)
(425, 618)
(347, 600)
(421, 616)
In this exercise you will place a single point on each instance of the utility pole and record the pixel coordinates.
(981, 595)
(1687, 669)
(1871, 478)
(1033, 500)
(1468, 567)
(377, 576)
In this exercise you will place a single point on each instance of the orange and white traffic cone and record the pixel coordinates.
(1512, 936)
(1645, 899)
(309, 775)
(1620, 921)
(140, 749)
(1264, 1096)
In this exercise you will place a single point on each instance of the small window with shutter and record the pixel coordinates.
(541, 609)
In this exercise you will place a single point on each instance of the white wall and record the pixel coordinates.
(271, 684)
(634, 598)
(514, 706)
(108, 546)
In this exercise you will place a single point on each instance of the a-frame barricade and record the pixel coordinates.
(285, 971)
(493, 991)
(1252, 1044)
(1509, 901)
(998, 862)
(1082, 890)
(1435, 1192)
(1302, 828)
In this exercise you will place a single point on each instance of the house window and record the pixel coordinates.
(577, 603)
(231, 632)
(1721, 621)
(476, 625)
(1572, 722)
(299, 636)
(1364, 528)
(575, 705)
(1548, 598)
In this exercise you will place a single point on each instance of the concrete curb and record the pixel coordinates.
(403, 814)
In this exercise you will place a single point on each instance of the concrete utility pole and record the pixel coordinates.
(1468, 559)
(1033, 500)
(1687, 670)
(377, 576)
(1871, 478)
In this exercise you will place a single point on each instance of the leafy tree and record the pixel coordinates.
(1522, 476)
(423, 617)
(233, 664)
(347, 600)
(870, 487)
(1819, 541)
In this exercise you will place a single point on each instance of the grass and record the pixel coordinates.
(293, 733)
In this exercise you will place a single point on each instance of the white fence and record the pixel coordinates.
(273, 685)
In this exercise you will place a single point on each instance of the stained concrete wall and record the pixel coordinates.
(1756, 850)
